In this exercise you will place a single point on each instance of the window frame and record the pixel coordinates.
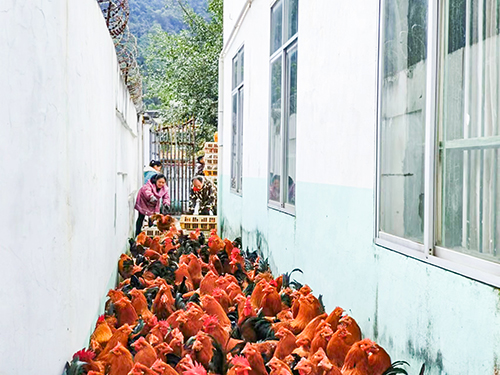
(281, 53)
(238, 91)
(429, 252)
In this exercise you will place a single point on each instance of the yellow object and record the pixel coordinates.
(216, 137)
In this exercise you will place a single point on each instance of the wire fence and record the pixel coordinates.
(116, 13)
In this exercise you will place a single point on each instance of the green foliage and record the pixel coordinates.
(181, 70)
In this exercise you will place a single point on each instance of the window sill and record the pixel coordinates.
(236, 192)
(462, 264)
(288, 209)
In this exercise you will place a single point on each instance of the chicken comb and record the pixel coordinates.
(84, 355)
(210, 320)
(101, 318)
(239, 360)
(197, 369)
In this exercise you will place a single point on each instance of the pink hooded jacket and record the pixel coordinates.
(143, 203)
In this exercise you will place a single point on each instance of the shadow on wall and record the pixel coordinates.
(251, 240)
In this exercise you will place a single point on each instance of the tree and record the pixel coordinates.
(182, 69)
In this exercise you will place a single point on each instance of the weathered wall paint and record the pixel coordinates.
(70, 164)
(418, 312)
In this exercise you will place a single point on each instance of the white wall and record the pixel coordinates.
(409, 307)
(70, 162)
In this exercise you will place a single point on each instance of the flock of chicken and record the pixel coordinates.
(187, 306)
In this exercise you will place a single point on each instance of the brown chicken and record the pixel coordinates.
(125, 312)
(241, 366)
(352, 327)
(334, 317)
(215, 243)
(258, 294)
(140, 304)
(323, 335)
(212, 307)
(162, 349)
(278, 367)
(338, 346)
(322, 365)
(193, 320)
(255, 359)
(305, 367)
(378, 359)
(127, 267)
(203, 348)
(163, 368)
(163, 304)
(145, 353)
(208, 284)
(163, 222)
(309, 308)
(102, 333)
(175, 340)
(119, 336)
(194, 269)
(140, 369)
(286, 344)
(271, 301)
(221, 296)
(119, 360)
(356, 360)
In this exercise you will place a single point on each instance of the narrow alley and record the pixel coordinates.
(250, 187)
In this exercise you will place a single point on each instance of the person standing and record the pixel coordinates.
(149, 199)
(200, 166)
(204, 192)
(153, 168)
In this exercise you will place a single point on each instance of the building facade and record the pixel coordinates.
(359, 142)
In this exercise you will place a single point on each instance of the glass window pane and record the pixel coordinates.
(402, 126)
(235, 71)
(469, 125)
(291, 78)
(293, 18)
(242, 66)
(275, 136)
(234, 138)
(276, 26)
(240, 138)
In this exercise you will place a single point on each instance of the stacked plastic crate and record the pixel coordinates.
(211, 150)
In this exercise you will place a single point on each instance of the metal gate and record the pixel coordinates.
(175, 146)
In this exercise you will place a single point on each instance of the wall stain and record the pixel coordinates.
(427, 357)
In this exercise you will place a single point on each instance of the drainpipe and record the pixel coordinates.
(220, 127)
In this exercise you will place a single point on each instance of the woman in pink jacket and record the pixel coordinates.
(149, 197)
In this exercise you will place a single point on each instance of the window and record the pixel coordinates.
(237, 122)
(283, 104)
(439, 133)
